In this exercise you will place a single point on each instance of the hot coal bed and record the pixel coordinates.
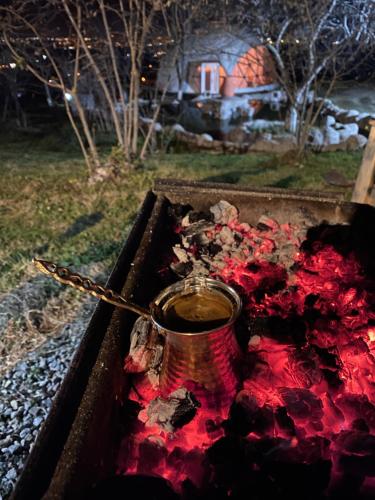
(302, 421)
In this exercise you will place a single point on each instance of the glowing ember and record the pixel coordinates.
(303, 421)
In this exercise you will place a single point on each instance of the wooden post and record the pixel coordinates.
(366, 175)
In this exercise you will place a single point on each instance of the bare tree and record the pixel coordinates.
(99, 60)
(311, 42)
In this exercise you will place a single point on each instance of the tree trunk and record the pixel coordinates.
(292, 122)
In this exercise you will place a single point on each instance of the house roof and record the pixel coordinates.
(220, 46)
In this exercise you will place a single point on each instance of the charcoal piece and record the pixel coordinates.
(256, 486)
(358, 465)
(199, 268)
(356, 406)
(253, 267)
(357, 442)
(297, 480)
(238, 238)
(284, 421)
(133, 487)
(213, 249)
(144, 346)
(312, 449)
(266, 223)
(302, 404)
(129, 412)
(229, 460)
(198, 228)
(243, 331)
(328, 359)
(226, 236)
(246, 416)
(181, 254)
(332, 377)
(173, 412)
(178, 210)
(291, 330)
(303, 364)
(199, 240)
(151, 454)
(359, 424)
(214, 428)
(182, 269)
(224, 212)
(195, 216)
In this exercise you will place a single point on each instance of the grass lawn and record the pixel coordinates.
(47, 208)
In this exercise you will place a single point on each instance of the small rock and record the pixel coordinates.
(37, 421)
(14, 404)
(11, 474)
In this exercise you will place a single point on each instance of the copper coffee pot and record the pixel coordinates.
(196, 316)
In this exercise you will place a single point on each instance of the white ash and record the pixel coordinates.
(224, 212)
(205, 248)
(170, 413)
(180, 253)
(146, 348)
(27, 392)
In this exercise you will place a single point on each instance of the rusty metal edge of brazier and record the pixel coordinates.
(91, 444)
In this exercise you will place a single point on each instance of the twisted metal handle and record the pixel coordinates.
(67, 277)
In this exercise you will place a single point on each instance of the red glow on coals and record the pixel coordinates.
(175, 456)
(316, 367)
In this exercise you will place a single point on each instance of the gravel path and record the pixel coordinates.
(26, 394)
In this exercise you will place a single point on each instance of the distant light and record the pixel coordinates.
(68, 96)
(143, 79)
(297, 41)
(150, 65)
(12, 65)
(44, 56)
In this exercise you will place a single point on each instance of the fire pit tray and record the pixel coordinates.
(78, 443)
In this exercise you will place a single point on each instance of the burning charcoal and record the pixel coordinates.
(171, 413)
(303, 367)
(356, 406)
(224, 212)
(151, 453)
(266, 223)
(129, 412)
(302, 404)
(214, 428)
(144, 346)
(284, 421)
(287, 330)
(358, 442)
(198, 228)
(226, 236)
(188, 462)
(228, 456)
(359, 424)
(246, 416)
